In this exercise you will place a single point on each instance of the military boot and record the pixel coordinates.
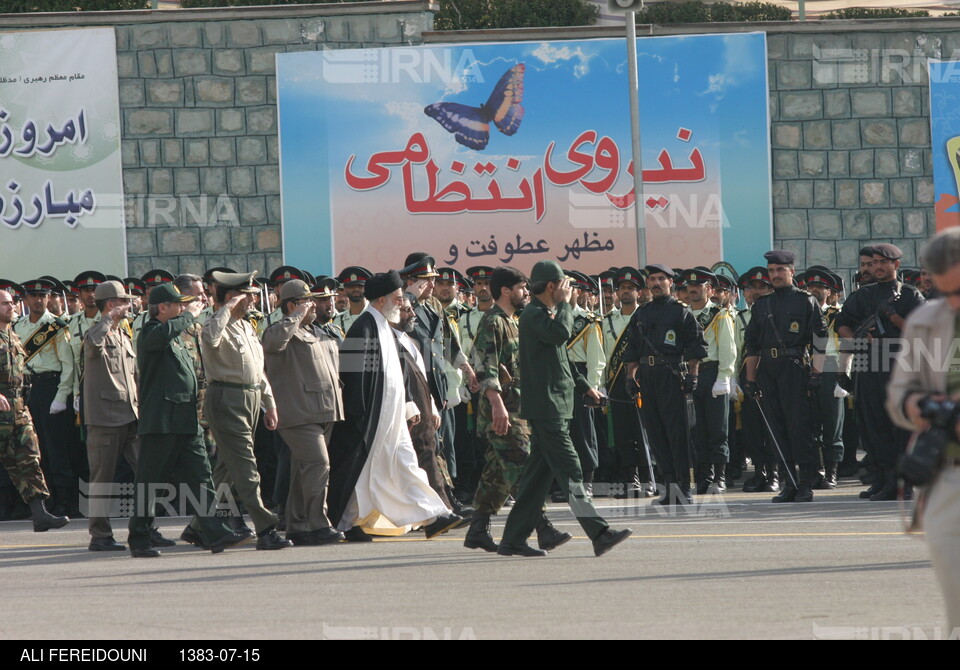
(819, 481)
(788, 493)
(889, 489)
(830, 474)
(720, 477)
(772, 482)
(755, 483)
(703, 474)
(548, 537)
(478, 535)
(42, 519)
(875, 487)
(808, 476)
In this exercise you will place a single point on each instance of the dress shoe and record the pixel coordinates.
(304, 538)
(157, 540)
(462, 511)
(442, 525)
(42, 519)
(509, 549)
(229, 540)
(548, 537)
(271, 540)
(237, 525)
(608, 539)
(356, 534)
(787, 495)
(830, 475)
(478, 535)
(105, 544)
(144, 552)
(190, 536)
(328, 536)
(753, 484)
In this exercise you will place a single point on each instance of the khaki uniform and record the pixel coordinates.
(78, 325)
(304, 364)
(110, 403)
(237, 386)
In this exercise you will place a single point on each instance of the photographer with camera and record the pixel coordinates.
(924, 380)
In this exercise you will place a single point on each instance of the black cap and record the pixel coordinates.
(286, 273)
(38, 286)
(419, 265)
(607, 277)
(354, 274)
(629, 274)
(482, 272)
(326, 287)
(58, 285)
(381, 284)
(725, 283)
(156, 277)
(134, 286)
(756, 273)
(447, 274)
(815, 277)
(780, 257)
(699, 276)
(887, 250)
(13, 288)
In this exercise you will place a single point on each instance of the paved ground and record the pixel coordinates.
(740, 568)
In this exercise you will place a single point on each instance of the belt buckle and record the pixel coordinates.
(651, 361)
(774, 353)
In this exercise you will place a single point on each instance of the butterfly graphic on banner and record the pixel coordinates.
(471, 125)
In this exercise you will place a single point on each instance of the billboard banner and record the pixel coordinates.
(945, 140)
(60, 169)
(490, 154)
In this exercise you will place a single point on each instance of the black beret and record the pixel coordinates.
(780, 257)
(659, 267)
(381, 284)
(887, 250)
(867, 251)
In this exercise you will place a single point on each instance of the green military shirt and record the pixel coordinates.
(168, 383)
(549, 380)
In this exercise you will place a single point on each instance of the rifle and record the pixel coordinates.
(873, 321)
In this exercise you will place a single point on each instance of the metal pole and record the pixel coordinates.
(801, 6)
(631, 21)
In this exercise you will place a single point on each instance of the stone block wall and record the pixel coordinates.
(198, 107)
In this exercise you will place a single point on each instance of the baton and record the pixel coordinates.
(776, 444)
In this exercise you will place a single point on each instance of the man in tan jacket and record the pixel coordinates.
(110, 409)
(929, 368)
(302, 362)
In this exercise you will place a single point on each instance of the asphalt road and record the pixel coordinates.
(738, 567)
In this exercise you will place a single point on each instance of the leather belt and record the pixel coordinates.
(780, 352)
(706, 365)
(231, 385)
(40, 376)
(653, 361)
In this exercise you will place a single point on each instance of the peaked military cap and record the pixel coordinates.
(419, 265)
(325, 287)
(631, 275)
(236, 281)
(38, 286)
(446, 274)
(208, 273)
(354, 274)
(286, 273)
(58, 285)
(13, 288)
(156, 278)
(480, 272)
(135, 286)
(757, 273)
(89, 279)
(700, 276)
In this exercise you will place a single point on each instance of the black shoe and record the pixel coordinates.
(157, 540)
(238, 526)
(478, 535)
(229, 540)
(270, 540)
(356, 534)
(609, 539)
(144, 552)
(548, 537)
(42, 519)
(753, 484)
(508, 549)
(303, 539)
(105, 544)
(190, 536)
(787, 495)
(719, 477)
(558, 497)
(830, 475)
(328, 536)
(442, 525)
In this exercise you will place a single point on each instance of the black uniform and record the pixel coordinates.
(663, 334)
(782, 329)
(872, 366)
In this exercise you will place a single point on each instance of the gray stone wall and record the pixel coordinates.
(198, 107)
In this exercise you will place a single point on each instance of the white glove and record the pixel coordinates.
(76, 404)
(720, 388)
(839, 392)
(57, 407)
(464, 394)
(735, 389)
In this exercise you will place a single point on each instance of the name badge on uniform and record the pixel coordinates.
(671, 338)
(794, 326)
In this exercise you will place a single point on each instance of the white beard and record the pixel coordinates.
(392, 314)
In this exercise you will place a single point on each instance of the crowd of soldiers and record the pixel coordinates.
(688, 371)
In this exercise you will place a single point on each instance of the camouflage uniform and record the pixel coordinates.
(19, 449)
(498, 343)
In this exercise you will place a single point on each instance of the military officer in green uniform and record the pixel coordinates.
(506, 437)
(171, 444)
(151, 280)
(548, 398)
(19, 451)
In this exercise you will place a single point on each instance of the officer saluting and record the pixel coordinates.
(663, 335)
(784, 325)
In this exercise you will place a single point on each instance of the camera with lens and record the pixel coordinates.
(921, 466)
